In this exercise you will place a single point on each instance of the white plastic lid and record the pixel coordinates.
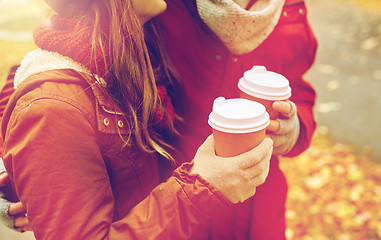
(238, 115)
(260, 83)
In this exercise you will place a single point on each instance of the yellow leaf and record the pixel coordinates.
(356, 192)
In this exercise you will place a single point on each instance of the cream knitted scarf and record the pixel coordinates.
(239, 29)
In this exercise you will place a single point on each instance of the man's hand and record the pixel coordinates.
(3, 178)
(13, 215)
(18, 212)
(284, 131)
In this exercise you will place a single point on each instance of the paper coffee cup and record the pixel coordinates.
(238, 125)
(264, 86)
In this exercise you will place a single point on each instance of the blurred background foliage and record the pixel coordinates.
(17, 20)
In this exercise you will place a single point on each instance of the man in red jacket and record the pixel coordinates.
(211, 45)
(211, 53)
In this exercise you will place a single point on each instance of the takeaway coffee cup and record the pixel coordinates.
(238, 125)
(264, 86)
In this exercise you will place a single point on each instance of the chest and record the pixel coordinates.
(205, 63)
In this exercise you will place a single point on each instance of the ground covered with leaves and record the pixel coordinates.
(333, 193)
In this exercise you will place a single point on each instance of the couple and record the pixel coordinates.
(105, 136)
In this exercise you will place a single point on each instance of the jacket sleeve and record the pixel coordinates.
(177, 209)
(5, 94)
(5, 195)
(59, 174)
(303, 94)
(304, 99)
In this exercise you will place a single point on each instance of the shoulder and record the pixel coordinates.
(61, 92)
(46, 75)
(65, 85)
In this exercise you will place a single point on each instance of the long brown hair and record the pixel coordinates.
(131, 79)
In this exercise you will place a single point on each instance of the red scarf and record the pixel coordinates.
(60, 36)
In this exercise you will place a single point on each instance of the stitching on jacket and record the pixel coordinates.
(64, 99)
(20, 108)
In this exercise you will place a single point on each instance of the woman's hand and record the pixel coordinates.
(12, 215)
(235, 177)
(284, 131)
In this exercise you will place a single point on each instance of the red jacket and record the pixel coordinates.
(64, 156)
(5, 94)
(208, 70)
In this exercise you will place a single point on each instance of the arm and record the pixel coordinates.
(12, 215)
(236, 178)
(179, 208)
(293, 45)
(304, 99)
(303, 94)
(292, 132)
(51, 155)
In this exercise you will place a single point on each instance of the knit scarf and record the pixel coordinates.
(241, 25)
(61, 35)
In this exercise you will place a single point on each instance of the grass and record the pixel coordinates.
(373, 5)
(17, 21)
(12, 53)
(24, 23)
(333, 193)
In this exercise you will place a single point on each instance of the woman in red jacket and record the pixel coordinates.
(85, 134)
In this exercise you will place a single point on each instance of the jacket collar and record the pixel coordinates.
(39, 61)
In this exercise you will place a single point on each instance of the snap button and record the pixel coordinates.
(120, 123)
(301, 11)
(106, 122)
(285, 14)
(218, 57)
(235, 59)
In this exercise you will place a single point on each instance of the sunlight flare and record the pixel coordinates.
(13, 2)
